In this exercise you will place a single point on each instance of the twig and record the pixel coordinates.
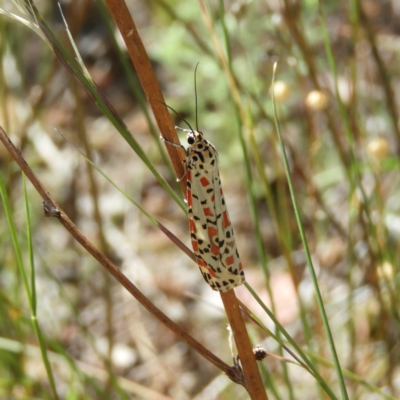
(254, 383)
(54, 210)
(137, 52)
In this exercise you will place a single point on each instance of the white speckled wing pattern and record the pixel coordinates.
(211, 230)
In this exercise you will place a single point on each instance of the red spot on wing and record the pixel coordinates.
(201, 263)
(211, 272)
(211, 232)
(207, 212)
(226, 219)
(195, 246)
(204, 181)
(188, 174)
(230, 260)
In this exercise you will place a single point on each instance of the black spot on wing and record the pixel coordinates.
(200, 155)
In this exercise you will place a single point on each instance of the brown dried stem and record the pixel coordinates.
(137, 52)
(254, 384)
(54, 210)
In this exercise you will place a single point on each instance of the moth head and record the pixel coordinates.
(194, 137)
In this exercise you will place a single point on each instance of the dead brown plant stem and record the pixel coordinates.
(109, 266)
(123, 19)
(137, 52)
(253, 381)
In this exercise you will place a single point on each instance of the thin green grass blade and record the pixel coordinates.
(33, 302)
(307, 253)
(352, 376)
(357, 167)
(80, 72)
(30, 291)
(282, 330)
(33, 299)
(24, 21)
(356, 174)
(376, 233)
(283, 238)
(14, 236)
(58, 356)
(86, 332)
(127, 67)
(304, 353)
(250, 193)
(153, 220)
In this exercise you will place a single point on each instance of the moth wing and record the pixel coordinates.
(202, 227)
(229, 255)
(212, 234)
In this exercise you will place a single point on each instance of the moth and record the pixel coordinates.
(211, 231)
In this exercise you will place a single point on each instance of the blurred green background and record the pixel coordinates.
(337, 107)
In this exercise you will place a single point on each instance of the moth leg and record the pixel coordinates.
(183, 130)
(173, 144)
(183, 161)
(185, 168)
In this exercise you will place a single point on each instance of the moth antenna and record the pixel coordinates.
(176, 112)
(195, 94)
